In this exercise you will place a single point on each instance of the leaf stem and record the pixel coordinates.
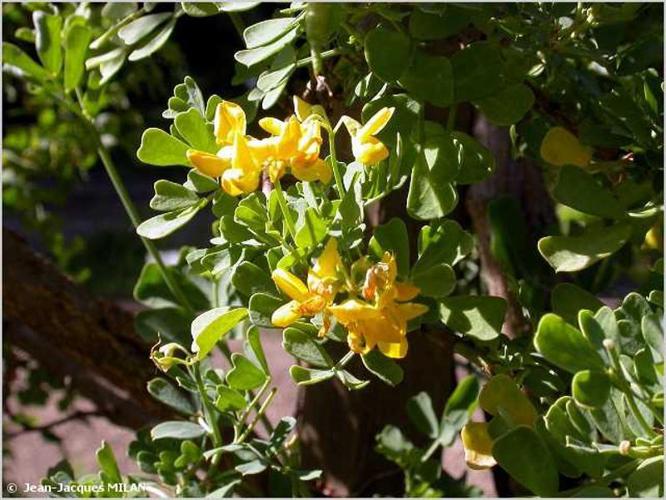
(339, 184)
(433, 447)
(209, 412)
(301, 63)
(258, 416)
(285, 210)
(344, 360)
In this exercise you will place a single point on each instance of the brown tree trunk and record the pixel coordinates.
(71, 334)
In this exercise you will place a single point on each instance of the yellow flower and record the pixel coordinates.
(228, 122)
(242, 176)
(367, 149)
(293, 145)
(382, 323)
(478, 446)
(313, 298)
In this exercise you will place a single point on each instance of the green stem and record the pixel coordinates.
(255, 400)
(257, 417)
(433, 447)
(344, 360)
(209, 412)
(134, 217)
(285, 210)
(238, 23)
(451, 120)
(306, 61)
(339, 184)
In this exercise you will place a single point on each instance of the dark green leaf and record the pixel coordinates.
(565, 346)
(428, 199)
(458, 409)
(429, 78)
(229, 399)
(387, 52)
(108, 465)
(524, 455)
(171, 196)
(300, 345)
(248, 279)
(478, 316)
(164, 224)
(192, 127)
(387, 370)
(476, 161)
(476, 71)
(251, 57)
(155, 43)
(309, 376)
(591, 388)
(508, 106)
(580, 190)
(262, 307)
(567, 299)
(392, 237)
(20, 64)
(422, 415)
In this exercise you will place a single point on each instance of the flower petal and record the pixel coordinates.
(271, 125)
(376, 123)
(286, 314)
(207, 163)
(353, 310)
(406, 291)
(478, 446)
(396, 350)
(290, 284)
(229, 120)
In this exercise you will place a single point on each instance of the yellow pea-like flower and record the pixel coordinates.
(210, 164)
(367, 149)
(310, 299)
(243, 174)
(382, 321)
(560, 147)
(229, 121)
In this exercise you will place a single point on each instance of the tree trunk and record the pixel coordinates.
(72, 334)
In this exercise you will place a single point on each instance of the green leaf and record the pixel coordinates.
(429, 78)
(438, 281)
(262, 307)
(476, 161)
(21, 65)
(420, 412)
(502, 397)
(48, 29)
(447, 244)
(387, 53)
(574, 253)
(508, 106)
(229, 399)
(578, 189)
(250, 57)
(253, 342)
(155, 43)
(171, 196)
(477, 71)
(309, 376)
(245, 375)
(192, 126)
(478, 316)
(76, 49)
(350, 381)
(161, 149)
(392, 237)
(177, 429)
(311, 229)
(163, 391)
(459, 408)
(565, 346)
(441, 153)
(265, 32)
(237, 6)
(164, 224)
(170, 323)
(567, 299)
(201, 183)
(107, 463)
(384, 368)
(201, 9)
(591, 388)
(524, 455)
(208, 328)
(134, 31)
(152, 290)
(648, 479)
(428, 199)
(248, 279)
(652, 330)
(434, 26)
(300, 345)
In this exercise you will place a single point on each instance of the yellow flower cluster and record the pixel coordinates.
(377, 308)
(292, 147)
